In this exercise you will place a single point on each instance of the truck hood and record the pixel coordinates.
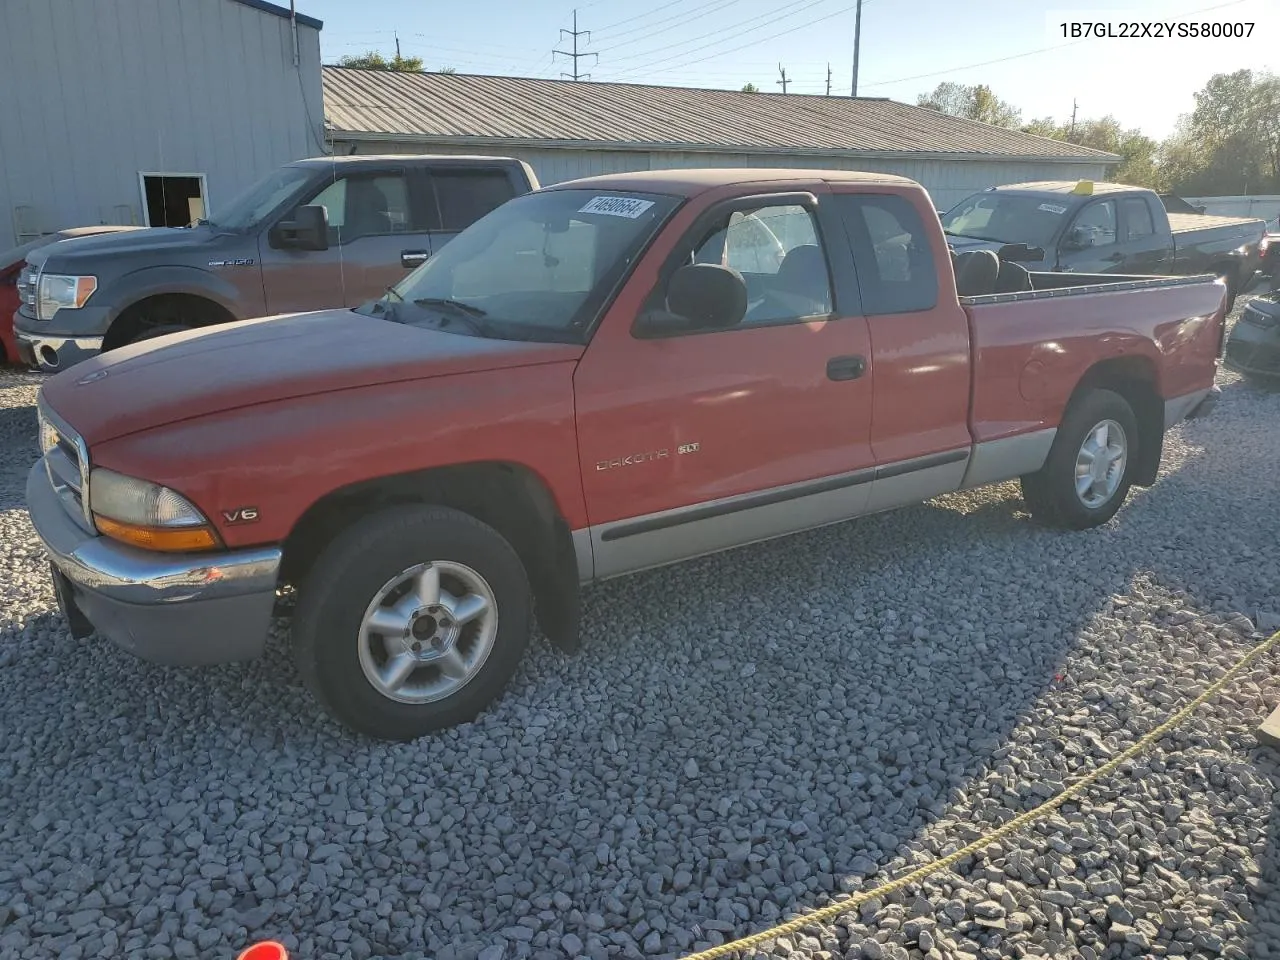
(65, 255)
(250, 362)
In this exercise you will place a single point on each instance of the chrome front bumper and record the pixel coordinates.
(53, 352)
(180, 609)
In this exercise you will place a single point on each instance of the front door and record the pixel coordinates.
(376, 217)
(696, 441)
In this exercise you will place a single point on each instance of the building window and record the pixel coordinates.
(173, 199)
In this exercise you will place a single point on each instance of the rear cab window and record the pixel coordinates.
(1137, 218)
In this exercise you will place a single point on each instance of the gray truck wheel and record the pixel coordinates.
(1089, 471)
(411, 621)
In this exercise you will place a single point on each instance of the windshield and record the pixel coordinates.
(1006, 218)
(248, 209)
(539, 267)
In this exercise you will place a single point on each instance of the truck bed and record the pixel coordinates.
(1028, 349)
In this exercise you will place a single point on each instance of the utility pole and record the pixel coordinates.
(1074, 105)
(397, 36)
(857, 40)
(784, 81)
(828, 79)
(576, 33)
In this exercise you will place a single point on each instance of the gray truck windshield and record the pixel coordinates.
(247, 210)
(541, 266)
(1006, 218)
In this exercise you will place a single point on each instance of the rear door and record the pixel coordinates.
(695, 441)
(919, 346)
(1146, 249)
(462, 194)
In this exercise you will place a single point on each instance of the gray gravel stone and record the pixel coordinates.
(930, 672)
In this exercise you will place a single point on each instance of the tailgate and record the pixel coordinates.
(1030, 350)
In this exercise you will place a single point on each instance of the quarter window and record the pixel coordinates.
(1137, 218)
(467, 195)
(891, 253)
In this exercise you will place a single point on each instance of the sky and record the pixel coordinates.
(907, 46)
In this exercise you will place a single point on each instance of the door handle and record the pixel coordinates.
(846, 368)
(413, 258)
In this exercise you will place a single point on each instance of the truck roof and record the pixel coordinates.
(688, 183)
(1067, 186)
(396, 157)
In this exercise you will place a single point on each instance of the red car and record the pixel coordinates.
(592, 380)
(11, 264)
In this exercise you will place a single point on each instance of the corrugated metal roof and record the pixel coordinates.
(426, 107)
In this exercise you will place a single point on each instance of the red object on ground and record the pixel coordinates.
(266, 950)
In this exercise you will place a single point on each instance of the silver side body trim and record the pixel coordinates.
(1008, 458)
(1177, 408)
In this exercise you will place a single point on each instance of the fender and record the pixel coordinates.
(174, 278)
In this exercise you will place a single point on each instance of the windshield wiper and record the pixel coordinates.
(470, 314)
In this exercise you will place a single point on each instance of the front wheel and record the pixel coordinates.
(411, 621)
(1089, 470)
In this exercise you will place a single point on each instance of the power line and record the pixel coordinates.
(677, 20)
(771, 18)
(750, 43)
(576, 33)
(639, 16)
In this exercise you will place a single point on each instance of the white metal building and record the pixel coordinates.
(148, 111)
(566, 129)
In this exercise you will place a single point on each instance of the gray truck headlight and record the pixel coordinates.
(59, 291)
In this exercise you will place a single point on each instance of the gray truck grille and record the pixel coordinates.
(28, 279)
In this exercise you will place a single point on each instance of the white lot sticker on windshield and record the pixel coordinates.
(1051, 208)
(617, 207)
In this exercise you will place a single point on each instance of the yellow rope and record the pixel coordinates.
(833, 910)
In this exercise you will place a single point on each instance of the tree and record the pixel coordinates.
(750, 88)
(373, 60)
(1140, 164)
(1230, 143)
(447, 70)
(972, 103)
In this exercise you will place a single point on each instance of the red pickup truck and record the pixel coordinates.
(596, 378)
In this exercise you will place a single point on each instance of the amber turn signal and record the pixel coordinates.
(166, 539)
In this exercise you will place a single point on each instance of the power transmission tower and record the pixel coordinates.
(784, 81)
(576, 33)
(828, 79)
(857, 40)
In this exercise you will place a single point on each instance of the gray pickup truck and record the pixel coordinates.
(313, 234)
(1087, 227)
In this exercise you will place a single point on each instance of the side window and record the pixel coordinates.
(891, 253)
(465, 196)
(363, 206)
(1137, 218)
(1095, 226)
(779, 254)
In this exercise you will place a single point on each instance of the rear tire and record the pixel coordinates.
(411, 621)
(1089, 471)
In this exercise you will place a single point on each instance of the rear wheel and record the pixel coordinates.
(1088, 473)
(411, 621)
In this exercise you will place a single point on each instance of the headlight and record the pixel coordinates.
(48, 436)
(60, 292)
(146, 514)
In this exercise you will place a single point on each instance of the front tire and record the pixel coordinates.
(411, 621)
(1089, 471)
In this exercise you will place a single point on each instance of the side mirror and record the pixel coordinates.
(307, 229)
(1075, 240)
(1020, 252)
(700, 296)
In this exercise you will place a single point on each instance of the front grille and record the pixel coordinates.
(66, 460)
(1253, 315)
(28, 281)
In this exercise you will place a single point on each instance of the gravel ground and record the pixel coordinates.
(741, 737)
